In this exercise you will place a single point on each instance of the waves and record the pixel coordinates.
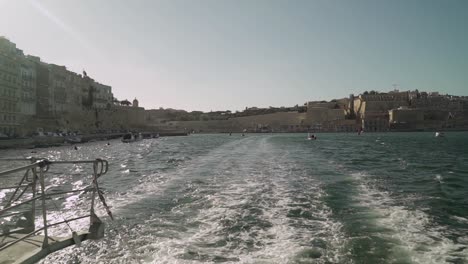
(274, 199)
(411, 232)
(245, 209)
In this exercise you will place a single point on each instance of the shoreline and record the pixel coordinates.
(45, 142)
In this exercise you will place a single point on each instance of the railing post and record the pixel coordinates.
(38, 168)
(45, 243)
(33, 187)
(96, 227)
(93, 196)
(16, 190)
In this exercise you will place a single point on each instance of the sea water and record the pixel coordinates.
(272, 198)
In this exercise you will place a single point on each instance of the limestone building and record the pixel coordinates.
(28, 87)
(58, 89)
(41, 69)
(74, 90)
(324, 115)
(102, 97)
(10, 87)
(372, 109)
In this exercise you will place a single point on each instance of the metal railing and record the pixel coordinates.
(34, 177)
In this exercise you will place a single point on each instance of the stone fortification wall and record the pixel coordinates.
(380, 106)
(203, 126)
(330, 105)
(406, 115)
(116, 118)
(393, 96)
(320, 114)
(337, 126)
(282, 121)
(275, 120)
(438, 102)
(88, 121)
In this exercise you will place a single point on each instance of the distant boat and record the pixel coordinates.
(360, 131)
(439, 134)
(311, 137)
(73, 139)
(130, 137)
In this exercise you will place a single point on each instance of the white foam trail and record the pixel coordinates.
(242, 197)
(460, 219)
(413, 228)
(3, 193)
(256, 185)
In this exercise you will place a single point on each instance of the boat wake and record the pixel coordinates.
(229, 205)
(412, 232)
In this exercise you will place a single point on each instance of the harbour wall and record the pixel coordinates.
(279, 122)
(87, 121)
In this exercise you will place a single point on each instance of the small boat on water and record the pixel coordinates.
(131, 137)
(439, 134)
(73, 139)
(360, 131)
(311, 137)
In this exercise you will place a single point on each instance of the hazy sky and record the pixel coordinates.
(218, 55)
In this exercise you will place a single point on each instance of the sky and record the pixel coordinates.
(227, 55)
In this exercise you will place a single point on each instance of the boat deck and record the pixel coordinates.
(22, 240)
(30, 249)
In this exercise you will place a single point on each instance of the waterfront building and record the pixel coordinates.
(28, 87)
(42, 79)
(57, 90)
(406, 118)
(87, 86)
(102, 96)
(321, 116)
(35, 95)
(375, 124)
(405, 115)
(10, 87)
(372, 108)
(436, 101)
(74, 90)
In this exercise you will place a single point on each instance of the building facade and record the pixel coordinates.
(28, 87)
(58, 102)
(10, 87)
(102, 98)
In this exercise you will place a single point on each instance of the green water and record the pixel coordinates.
(279, 198)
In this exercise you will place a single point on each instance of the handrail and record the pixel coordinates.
(48, 195)
(46, 163)
(27, 167)
(19, 204)
(14, 187)
(38, 168)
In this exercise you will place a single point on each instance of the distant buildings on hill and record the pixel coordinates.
(32, 90)
(370, 111)
(35, 95)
